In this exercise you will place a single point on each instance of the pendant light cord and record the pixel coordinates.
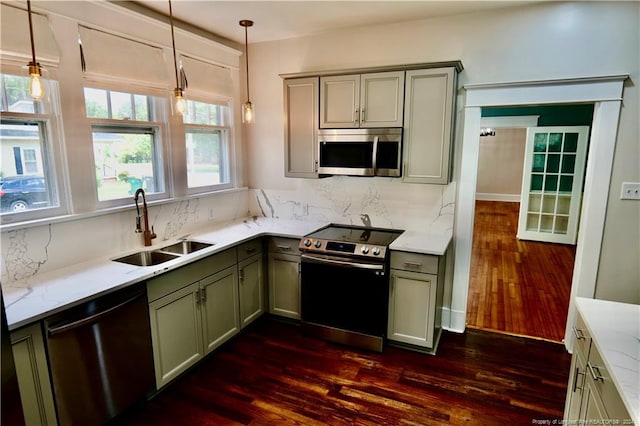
(33, 46)
(246, 52)
(173, 42)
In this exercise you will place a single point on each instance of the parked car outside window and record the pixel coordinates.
(20, 193)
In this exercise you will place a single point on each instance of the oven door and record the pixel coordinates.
(344, 294)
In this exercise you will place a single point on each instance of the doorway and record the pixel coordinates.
(518, 286)
(606, 95)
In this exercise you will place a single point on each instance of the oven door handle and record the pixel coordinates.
(343, 263)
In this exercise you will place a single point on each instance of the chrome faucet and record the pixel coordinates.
(147, 234)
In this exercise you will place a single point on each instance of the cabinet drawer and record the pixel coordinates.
(249, 248)
(414, 262)
(175, 280)
(284, 245)
(582, 337)
(605, 387)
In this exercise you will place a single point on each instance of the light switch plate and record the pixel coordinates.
(630, 191)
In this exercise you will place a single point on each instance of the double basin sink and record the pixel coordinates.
(163, 254)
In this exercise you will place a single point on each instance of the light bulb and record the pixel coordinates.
(247, 113)
(179, 101)
(36, 86)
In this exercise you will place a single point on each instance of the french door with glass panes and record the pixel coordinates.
(552, 183)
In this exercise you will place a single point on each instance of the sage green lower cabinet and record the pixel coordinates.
(193, 310)
(415, 300)
(33, 376)
(176, 333)
(251, 278)
(284, 285)
(592, 396)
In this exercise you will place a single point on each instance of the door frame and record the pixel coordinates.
(606, 95)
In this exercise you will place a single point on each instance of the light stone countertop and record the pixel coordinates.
(42, 295)
(615, 330)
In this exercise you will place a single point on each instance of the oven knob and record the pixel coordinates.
(375, 251)
(365, 249)
(307, 243)
(318, 243)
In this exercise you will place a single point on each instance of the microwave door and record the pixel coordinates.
(344, 157)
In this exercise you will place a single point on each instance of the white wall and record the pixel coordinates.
(500, 165)
(543, 41)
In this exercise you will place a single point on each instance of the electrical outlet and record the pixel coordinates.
(630, 191)
(212, 213)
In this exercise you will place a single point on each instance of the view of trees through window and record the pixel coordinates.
(124, 150)
(207, 147)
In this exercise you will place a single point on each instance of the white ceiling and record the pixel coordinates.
(275, 20)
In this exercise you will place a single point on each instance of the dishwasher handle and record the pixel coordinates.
(93, 318)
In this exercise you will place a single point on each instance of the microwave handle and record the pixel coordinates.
(374, 154)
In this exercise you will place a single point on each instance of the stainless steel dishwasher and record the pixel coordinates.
(100, 357)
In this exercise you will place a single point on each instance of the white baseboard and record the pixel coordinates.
(512, 198)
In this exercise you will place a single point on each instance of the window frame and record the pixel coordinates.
(226, 128)
(159, 161)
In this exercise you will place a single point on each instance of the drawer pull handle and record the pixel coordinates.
(414, 265)
(283, 247)
(595, 372)
(575, 380)
(251, 250)
(578, 333)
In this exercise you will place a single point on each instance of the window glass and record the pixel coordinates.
(25, 181)
(206, 157)
(28, 183)
(207, 145)
(126, 145)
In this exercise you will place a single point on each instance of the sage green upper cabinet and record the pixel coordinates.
(362, 100)
(429, 107)
(301, 126)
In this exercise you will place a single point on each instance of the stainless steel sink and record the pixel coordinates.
(146, 258)
(185, 247)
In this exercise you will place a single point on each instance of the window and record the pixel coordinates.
(28, 183)
(207, 146)
(126, 144)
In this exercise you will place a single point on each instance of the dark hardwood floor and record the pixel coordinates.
(517, 287)
(274, 374)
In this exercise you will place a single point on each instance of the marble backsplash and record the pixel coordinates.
(378, 202)
(31, 250)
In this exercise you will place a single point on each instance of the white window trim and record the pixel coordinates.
(606, 94)
(54, 159)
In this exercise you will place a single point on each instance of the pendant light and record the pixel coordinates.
(179, 103)
(36, 86)
(247, 108)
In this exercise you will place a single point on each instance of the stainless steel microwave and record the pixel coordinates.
(360, 152)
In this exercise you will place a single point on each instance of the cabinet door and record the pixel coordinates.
(220, 309)
(33, 376)
(284, 285)
(575, 388)
(251, 289)
(339, 101)
(412, 306)
(428, 125)
(176, 333)
(381, 99)
(301, 126)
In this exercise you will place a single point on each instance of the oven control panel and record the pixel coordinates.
(339, 247)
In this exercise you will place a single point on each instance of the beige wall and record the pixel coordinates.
(500, 163)
(544, 41)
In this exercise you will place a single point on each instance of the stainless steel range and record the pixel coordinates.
(345, 284)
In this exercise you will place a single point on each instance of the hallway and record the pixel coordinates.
(517, 287)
